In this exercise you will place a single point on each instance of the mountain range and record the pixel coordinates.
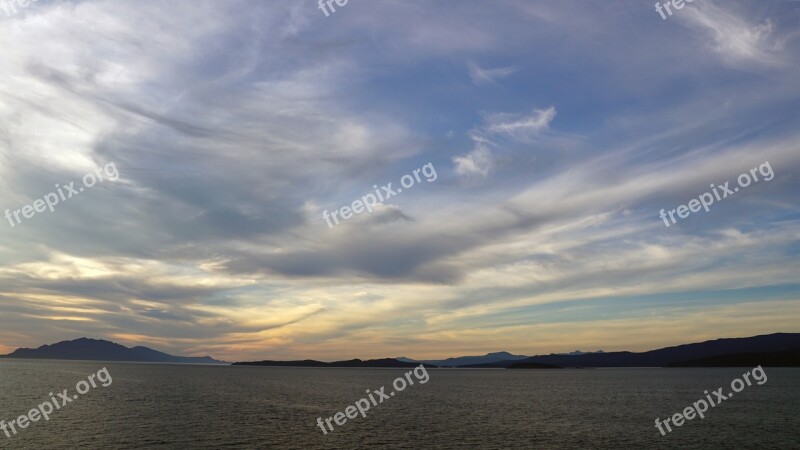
(100, 350)
(759, 347)
(772, 350)
(466, 360)
(496, 357)
(375, 363)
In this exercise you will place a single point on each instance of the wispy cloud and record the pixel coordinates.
(735, 38)
(232, 122)
(521, 126)
(481, 76)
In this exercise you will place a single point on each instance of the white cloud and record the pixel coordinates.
(481, 76)
(521, 127)
(477, 162)
(735, 39)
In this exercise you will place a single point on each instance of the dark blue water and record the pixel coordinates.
(187, 407)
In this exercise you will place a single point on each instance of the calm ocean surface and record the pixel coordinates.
(186, 407)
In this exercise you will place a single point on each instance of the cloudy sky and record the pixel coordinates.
(557, 131)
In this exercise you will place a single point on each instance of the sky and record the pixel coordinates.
(550, 136)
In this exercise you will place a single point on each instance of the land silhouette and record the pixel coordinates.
(771, 350)
(101, 350)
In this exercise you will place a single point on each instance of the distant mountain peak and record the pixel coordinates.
(578, 352)
(89, 349)
(499, 354)
(372, 363)
(466, 360)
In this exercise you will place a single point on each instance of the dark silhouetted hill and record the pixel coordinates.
(787, 358)
(99, 350)
(462, 361)
(670, 355)
(386, 362)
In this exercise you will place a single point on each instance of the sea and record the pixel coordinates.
(164, 406)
